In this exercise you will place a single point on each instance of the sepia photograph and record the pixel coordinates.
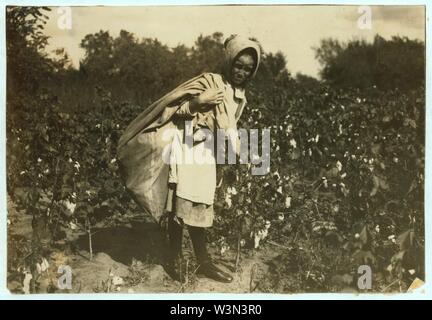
(243, 149)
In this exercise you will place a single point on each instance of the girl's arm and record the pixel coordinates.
(201, 103)
(184, 111)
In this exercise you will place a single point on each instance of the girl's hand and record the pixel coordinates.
(206, 100)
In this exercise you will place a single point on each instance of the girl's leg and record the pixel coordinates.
(175, 241)
(206, 267)
(175, 237)
(198, 238)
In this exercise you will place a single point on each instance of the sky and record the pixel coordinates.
(293, 30)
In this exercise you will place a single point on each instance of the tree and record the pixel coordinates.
(386, 64)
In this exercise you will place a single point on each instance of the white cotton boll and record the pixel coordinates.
(223, 250)
(228, 200)
(257, 240)
(325, 182)
(293, 143)
(233, 191)
(391, 237)
(242, 242)
(289, 128)
(377, 228)
(26, 283)
(339, 166)
(317, 138)
(287, 202)
(343, 175)
(38, 268)
(73, 226)
(70, 206)
(357, 236)
(280, 216)
(117, 281)
(44, 265)
(279, 190)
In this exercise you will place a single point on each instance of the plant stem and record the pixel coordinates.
(237, 261)
(90, 238)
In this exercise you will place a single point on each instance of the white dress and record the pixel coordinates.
(193, 167)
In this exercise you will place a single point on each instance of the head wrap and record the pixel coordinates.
(234, 45)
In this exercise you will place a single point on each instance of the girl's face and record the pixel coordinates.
(242, 68)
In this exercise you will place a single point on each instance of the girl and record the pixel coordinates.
(186, 189)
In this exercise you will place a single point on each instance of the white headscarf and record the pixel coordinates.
(234, 46)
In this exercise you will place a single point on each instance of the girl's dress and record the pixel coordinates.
(196, 179)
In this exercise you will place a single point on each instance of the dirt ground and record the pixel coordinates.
(128, 258)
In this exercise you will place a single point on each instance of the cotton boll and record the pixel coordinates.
(339, 166)
(257, 240)
(26, 283)
(228, 200)
(38, 268)
(287, 202)
(44, 265)
(117, 281)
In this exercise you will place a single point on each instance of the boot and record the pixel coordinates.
(209, 270)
